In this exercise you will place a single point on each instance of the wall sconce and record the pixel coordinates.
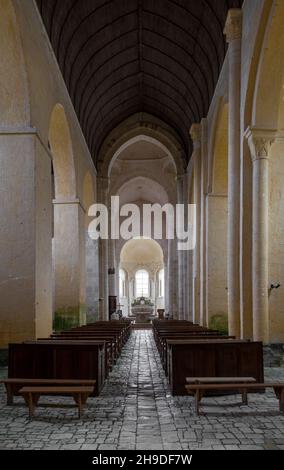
(275, 286)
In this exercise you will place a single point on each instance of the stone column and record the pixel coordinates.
(92, 279)
(112, 292)
(180, 254)
(69, 262)
(172, 279)
(103, 189)
(117, 268)
(203, 222)
(166, 299)
(260, 142)
(189, 254)
(185, 265)
(25, 237)
(233, 32)
(195, 133)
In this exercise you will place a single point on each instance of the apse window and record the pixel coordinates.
(122, 283)
(142, 283)
(162, 283)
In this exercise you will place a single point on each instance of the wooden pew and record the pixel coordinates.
(58, 360)
(212, 358)
(86, 352)
(110, 336)
(184, 338)
(179, 330)
(112, 350)
(14, 385)
(121, 326)
(32, 395)
(108, 352)
(237, 387)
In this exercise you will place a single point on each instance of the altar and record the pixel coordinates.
(142, 309)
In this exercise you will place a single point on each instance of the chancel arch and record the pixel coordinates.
(136, 128)
(135, 177)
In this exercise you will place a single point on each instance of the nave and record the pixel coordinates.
(160, 106)
(136, 410)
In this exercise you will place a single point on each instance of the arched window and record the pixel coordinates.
(122, 283)
(142, 283)
(162, 283)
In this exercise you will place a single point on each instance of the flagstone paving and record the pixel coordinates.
(136, 411)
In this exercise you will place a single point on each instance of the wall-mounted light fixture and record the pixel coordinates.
(275, 286)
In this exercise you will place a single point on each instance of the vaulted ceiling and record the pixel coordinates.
(120, 57)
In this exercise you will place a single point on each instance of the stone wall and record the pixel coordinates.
(273, 355)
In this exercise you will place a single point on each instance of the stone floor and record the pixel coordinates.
(136, 411)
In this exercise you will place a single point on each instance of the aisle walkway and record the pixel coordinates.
(136, 411)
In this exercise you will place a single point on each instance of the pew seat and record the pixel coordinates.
(13, 386)
(237, 386)
(32, 395)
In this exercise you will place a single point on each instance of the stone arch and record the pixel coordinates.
(157, 243)
(264, 14)
(62, 153)
(68, 243)
(250, 84)
(267, 97)
(265, 106)
(156, 192)
(128, 162)
(220, 109)
(14, 92)
(217, 215)
(142, 254)
(129, 193)
(25, 272)
(145, 126)
(220, 153)
(144, 174)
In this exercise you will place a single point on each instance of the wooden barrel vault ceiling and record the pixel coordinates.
(120, 57)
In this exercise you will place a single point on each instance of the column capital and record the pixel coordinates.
(181, 177)
(66, 200)
(260, 142)
(233, 25)
(196, 134)
(103, 188)
(204, 126)
(103, 181)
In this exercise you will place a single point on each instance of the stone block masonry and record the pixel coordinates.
(136, 411)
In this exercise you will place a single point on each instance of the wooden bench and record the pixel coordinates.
(212, 358)
(33, 394)
(198, 389)
(13, 386)
(59, 361)
(219, 381)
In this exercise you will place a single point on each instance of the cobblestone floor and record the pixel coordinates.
(136, 411)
